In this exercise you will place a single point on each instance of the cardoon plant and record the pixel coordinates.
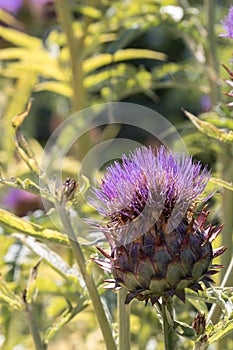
(160, 244)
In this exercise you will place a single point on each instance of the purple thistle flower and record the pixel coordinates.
(227, 24)
(21, 202)
(159, 183)
(157, 246)
(12, 6)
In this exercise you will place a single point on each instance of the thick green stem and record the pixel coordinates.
(34, 329)
(75, 46)
(123, 321)
(90, 284)
(168, 329)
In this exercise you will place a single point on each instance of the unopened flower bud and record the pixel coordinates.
(68, 189)
(199, 323)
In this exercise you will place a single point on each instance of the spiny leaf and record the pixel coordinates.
(19, 225)
(209, 129)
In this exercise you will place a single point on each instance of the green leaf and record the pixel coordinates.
(101, 60)
(56, 87)
(90, 11)
(29, 186)
(95, 62)
(210, 130)
(10, 20)
(222, 183)
(54, 260)
(19, 225)
(48, 70)
(131, 54)
(220, 330)
(66, 316)
(10, 298)
(217, 120)
(200, 305)
(19, 38)
(20, 97)
(184, 329)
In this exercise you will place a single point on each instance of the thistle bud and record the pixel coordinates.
(199, 323)
(159, 245)
(68, 189)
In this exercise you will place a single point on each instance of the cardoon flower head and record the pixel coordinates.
(158, 245)
(227, 23)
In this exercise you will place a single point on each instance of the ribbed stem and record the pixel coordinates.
(123, 321)
(168, 330)
(90, 284)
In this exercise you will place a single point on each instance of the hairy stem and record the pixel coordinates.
(90, 284)
(123, 321)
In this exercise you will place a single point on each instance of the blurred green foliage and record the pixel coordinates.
(163, 54)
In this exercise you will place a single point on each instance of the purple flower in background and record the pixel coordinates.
(21, 202)
(159, 246)
(11, 6)
(205, 103)
(227, 23)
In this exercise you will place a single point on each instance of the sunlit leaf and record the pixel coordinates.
(101, 60)
(90, 11)
(220, 330)
(184, 329)
(17, 102)
(66, 316)
(95, 62)
(53, 259)
(17, 224)
(200, 305)
(131, 54)
(9, 297)
(10, 20)
(209, 129)
(19, 38)
(222, 183)
(56, 87)
(46, 70)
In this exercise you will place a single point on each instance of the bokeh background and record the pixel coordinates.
(69, 55)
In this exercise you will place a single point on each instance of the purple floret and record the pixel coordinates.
(167, 184)
(227, 24)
